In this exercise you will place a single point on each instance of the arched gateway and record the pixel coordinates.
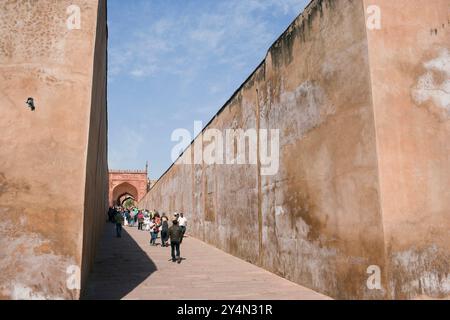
(126, 184)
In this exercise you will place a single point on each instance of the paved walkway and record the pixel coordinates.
(129, 268)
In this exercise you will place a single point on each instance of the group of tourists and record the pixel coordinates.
(153, 222)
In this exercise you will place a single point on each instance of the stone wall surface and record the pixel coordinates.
(410, 74)
(53, 170)
(364, 160)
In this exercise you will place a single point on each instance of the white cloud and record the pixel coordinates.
(183, 44)
(137, 73)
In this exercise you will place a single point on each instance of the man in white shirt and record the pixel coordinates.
(182, 222)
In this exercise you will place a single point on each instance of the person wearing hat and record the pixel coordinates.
(175, 235)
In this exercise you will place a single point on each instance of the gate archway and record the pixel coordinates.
(123, 192)
(126, 184)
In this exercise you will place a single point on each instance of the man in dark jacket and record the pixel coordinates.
(164, 231)
(175, 235)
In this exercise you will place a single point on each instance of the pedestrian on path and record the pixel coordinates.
(119, 222)
(175, 235)
(158, 219)
(164, 230)
(133, 215)
(147, 222)
(140, 218)
(111, 214)
(136, 219)
(182, 221)
(153, 232)
(127, 217)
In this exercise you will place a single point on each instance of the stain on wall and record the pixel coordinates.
(52, 157)
(433, 86)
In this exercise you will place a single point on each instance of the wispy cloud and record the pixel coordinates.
(230, 34)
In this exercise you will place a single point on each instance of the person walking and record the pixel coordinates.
(119, 222)
(157, 219)
(127, 217)
(133, 219)
(175, 235)
(140, 218)
(164, 231)
(147, 222)
(136, 218)
(111, 215)
(182, 221)
(153, 232)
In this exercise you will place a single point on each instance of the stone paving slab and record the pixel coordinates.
(129, 268)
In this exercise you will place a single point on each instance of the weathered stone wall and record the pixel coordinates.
(325, 217)
(53, 172)
(317, 221)
(410, 74)
(97, 176)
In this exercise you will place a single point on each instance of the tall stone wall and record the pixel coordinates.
(330, 213)
(97, 176)
(53, 170)
(410, 74)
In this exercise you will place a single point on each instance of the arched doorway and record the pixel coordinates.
(124, 192)
(126, 201)
(133, 183)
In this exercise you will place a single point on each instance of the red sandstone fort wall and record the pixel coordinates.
(96, 185)
(53, 171)
(410, 75)
(364, 171)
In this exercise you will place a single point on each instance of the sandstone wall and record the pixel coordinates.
(96, 201)
(410, 74)
(330, 213)
(318, 220)
(53, 172)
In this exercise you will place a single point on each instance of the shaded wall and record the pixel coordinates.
(97, 176)
(324, 218)
(53, 174)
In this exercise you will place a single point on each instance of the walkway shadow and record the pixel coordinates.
(120, 266)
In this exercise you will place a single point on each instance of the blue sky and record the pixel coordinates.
(175, 62)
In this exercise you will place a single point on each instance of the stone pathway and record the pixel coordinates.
(129, 268)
